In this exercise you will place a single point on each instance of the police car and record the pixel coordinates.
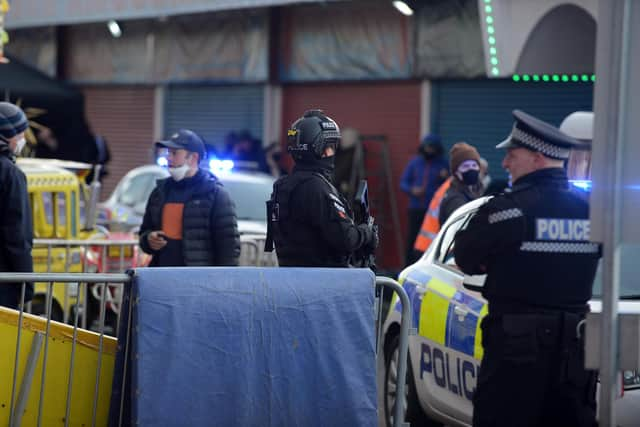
(446, 350)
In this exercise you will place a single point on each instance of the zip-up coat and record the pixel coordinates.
(209, 225)
(16, 227)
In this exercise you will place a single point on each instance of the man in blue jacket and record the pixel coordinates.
(16, 227)
(420, 180)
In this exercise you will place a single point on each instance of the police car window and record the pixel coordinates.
(445, 249)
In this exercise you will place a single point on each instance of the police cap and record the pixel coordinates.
(535, 135)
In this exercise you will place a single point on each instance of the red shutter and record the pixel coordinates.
(389, 109)
(124, 116)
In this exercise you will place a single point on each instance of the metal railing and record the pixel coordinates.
(252, 251)
(45, 332)
(84, 256)
(381, 284)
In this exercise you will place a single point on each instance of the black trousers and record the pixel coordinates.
(416, 216)
(532, 373)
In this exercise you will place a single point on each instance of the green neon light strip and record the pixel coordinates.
(493, 52)
(565, 78)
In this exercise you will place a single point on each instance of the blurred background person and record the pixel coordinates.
(349, 163)
(422, 176)
(273, 160)
(246, 152)
(465, 179)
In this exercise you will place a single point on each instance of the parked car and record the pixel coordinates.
(445, 354)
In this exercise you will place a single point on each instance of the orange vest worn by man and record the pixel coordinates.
(431, 224)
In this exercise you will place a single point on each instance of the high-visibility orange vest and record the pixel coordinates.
(431, 224)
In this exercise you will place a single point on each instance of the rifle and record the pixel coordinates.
(363, 257)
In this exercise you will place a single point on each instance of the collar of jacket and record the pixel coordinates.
(471, 192)
(325, 169)
(198, 183)
(547, 176)
(5, 150)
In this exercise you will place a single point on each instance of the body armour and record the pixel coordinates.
(311, 224)
(533, 244)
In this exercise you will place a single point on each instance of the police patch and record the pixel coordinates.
(336, 198)
(563, 229)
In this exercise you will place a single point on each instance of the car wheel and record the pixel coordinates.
(412, 411)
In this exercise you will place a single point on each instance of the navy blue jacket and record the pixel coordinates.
(16, 227)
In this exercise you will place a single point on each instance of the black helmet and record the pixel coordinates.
(310, 135)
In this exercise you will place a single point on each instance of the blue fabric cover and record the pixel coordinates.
(253, 347)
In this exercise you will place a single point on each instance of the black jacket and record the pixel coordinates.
(533, 243)
(16, 227)
(457, 195)
(312, 225)
(209, 225)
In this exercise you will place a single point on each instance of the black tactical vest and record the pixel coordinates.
(297, 243)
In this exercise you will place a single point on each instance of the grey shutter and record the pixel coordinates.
(214, 111)
(479, 111)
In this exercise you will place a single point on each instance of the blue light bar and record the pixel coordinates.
(583, 184)
(221, 166)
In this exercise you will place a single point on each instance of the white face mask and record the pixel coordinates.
(20, 145)
(178, 173)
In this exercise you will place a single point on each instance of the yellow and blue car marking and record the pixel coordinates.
(434, 315)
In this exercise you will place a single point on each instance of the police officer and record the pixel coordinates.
(310, 223)
(533, 244)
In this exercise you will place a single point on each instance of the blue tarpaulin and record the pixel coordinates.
(251, 347)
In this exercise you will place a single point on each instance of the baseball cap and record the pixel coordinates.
(184, 139)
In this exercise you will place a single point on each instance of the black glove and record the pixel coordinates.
(371, 237)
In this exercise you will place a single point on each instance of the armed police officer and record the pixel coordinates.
(310, 222)
(533, 244)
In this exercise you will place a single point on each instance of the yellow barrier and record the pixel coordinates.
(53, 396)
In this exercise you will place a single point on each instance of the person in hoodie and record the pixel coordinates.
(465, 185)
(310, 222)
(190, 220)
(16, 226)
(420, 180)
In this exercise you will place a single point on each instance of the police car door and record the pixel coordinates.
(449, 330)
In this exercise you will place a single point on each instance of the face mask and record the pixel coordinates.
(470, 177)
(178, 173)
(428, 155)
(20, 145)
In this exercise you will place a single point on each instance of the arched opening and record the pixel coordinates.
(563, 41)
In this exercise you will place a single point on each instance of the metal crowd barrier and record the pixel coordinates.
(403, 359)
(83, 256)
(87, 396)
(252, 251)
(92, 408)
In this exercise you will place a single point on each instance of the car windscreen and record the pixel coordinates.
(250, 198)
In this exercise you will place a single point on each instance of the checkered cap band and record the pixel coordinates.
(537, 144)
(505, 215)
(560, 247)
